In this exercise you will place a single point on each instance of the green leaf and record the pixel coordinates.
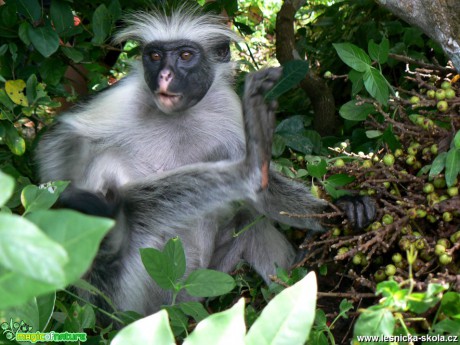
(379, 52)
(31, 88)
(101, 24)
(158, 267)
(339, 180)
(372, 322)
(194, 309)
(317, 169)
(7, 183)
(356, 80)
(438, 164)
(153, 329)
(450, 304)
(23, 33)
(35, 198)
(452, 166)
(79, 234)
(294, 71)
(14, 141)
(289, 317)
(376, 84)
(174, 253)
(354, 112)
(73, 54)
(226, 327)
(456, 141)
(44, 39)
(353, 56)
(208, 283)
(26, 250)
(61, 15)
(372, 134)
(29, 8)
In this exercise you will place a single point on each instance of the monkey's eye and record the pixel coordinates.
(186, 56)
(155, 56)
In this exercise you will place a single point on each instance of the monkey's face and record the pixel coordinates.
(177, 72)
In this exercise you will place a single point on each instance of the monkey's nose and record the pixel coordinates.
(166, 76)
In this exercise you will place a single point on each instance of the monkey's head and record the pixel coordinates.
(182, 54)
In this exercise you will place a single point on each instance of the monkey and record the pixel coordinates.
(171, 150)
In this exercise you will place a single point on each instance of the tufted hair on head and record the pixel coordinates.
(186, 22)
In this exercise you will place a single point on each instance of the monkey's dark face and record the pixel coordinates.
(177, 72)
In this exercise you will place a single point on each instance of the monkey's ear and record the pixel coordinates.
(222, 52)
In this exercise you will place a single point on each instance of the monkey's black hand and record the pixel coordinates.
(360, 210)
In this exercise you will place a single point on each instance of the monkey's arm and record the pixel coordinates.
(285, 195)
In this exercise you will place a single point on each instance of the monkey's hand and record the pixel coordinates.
(259, 121)
(360, 210)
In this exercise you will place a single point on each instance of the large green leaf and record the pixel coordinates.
(288, 318)
(293, 72)
(29, 8)
(353, 56)
(44, 39)
(452, 166)
(376, 84)
(151, 330)
(226, 327)
(354, 112)
(379, 52)
(62, 16)
(375, 322)
(7, 183)
(35, 198)
(79, 234)
(26, 250)
(208, 283)
(102, 22)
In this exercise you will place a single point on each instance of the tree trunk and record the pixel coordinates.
(439, 20)
(324, 121)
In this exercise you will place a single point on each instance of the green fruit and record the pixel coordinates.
(390, 270)
(397, 257)
(336, 232)
(450, 94)
(420, 213)
(328, 74)
(404, 243)
(342, 250)
(439, 182)
(379, 276)
(455, 237)
(420, 244)
(447, 217)
(431, 93)
(444, 242)
(376, 226)
(445, 259)
(388, 159)
(440, 94)
(414, 100)
(387, 219)
(428, 188)
(398, 153)
(439, 249)
(434, 149)
(452, 191)
(410, 160)
(442, 106)
(367, 164)
(445, 85)
(412, 150)
(339, 163)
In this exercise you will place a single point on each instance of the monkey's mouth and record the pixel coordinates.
(168, 99)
